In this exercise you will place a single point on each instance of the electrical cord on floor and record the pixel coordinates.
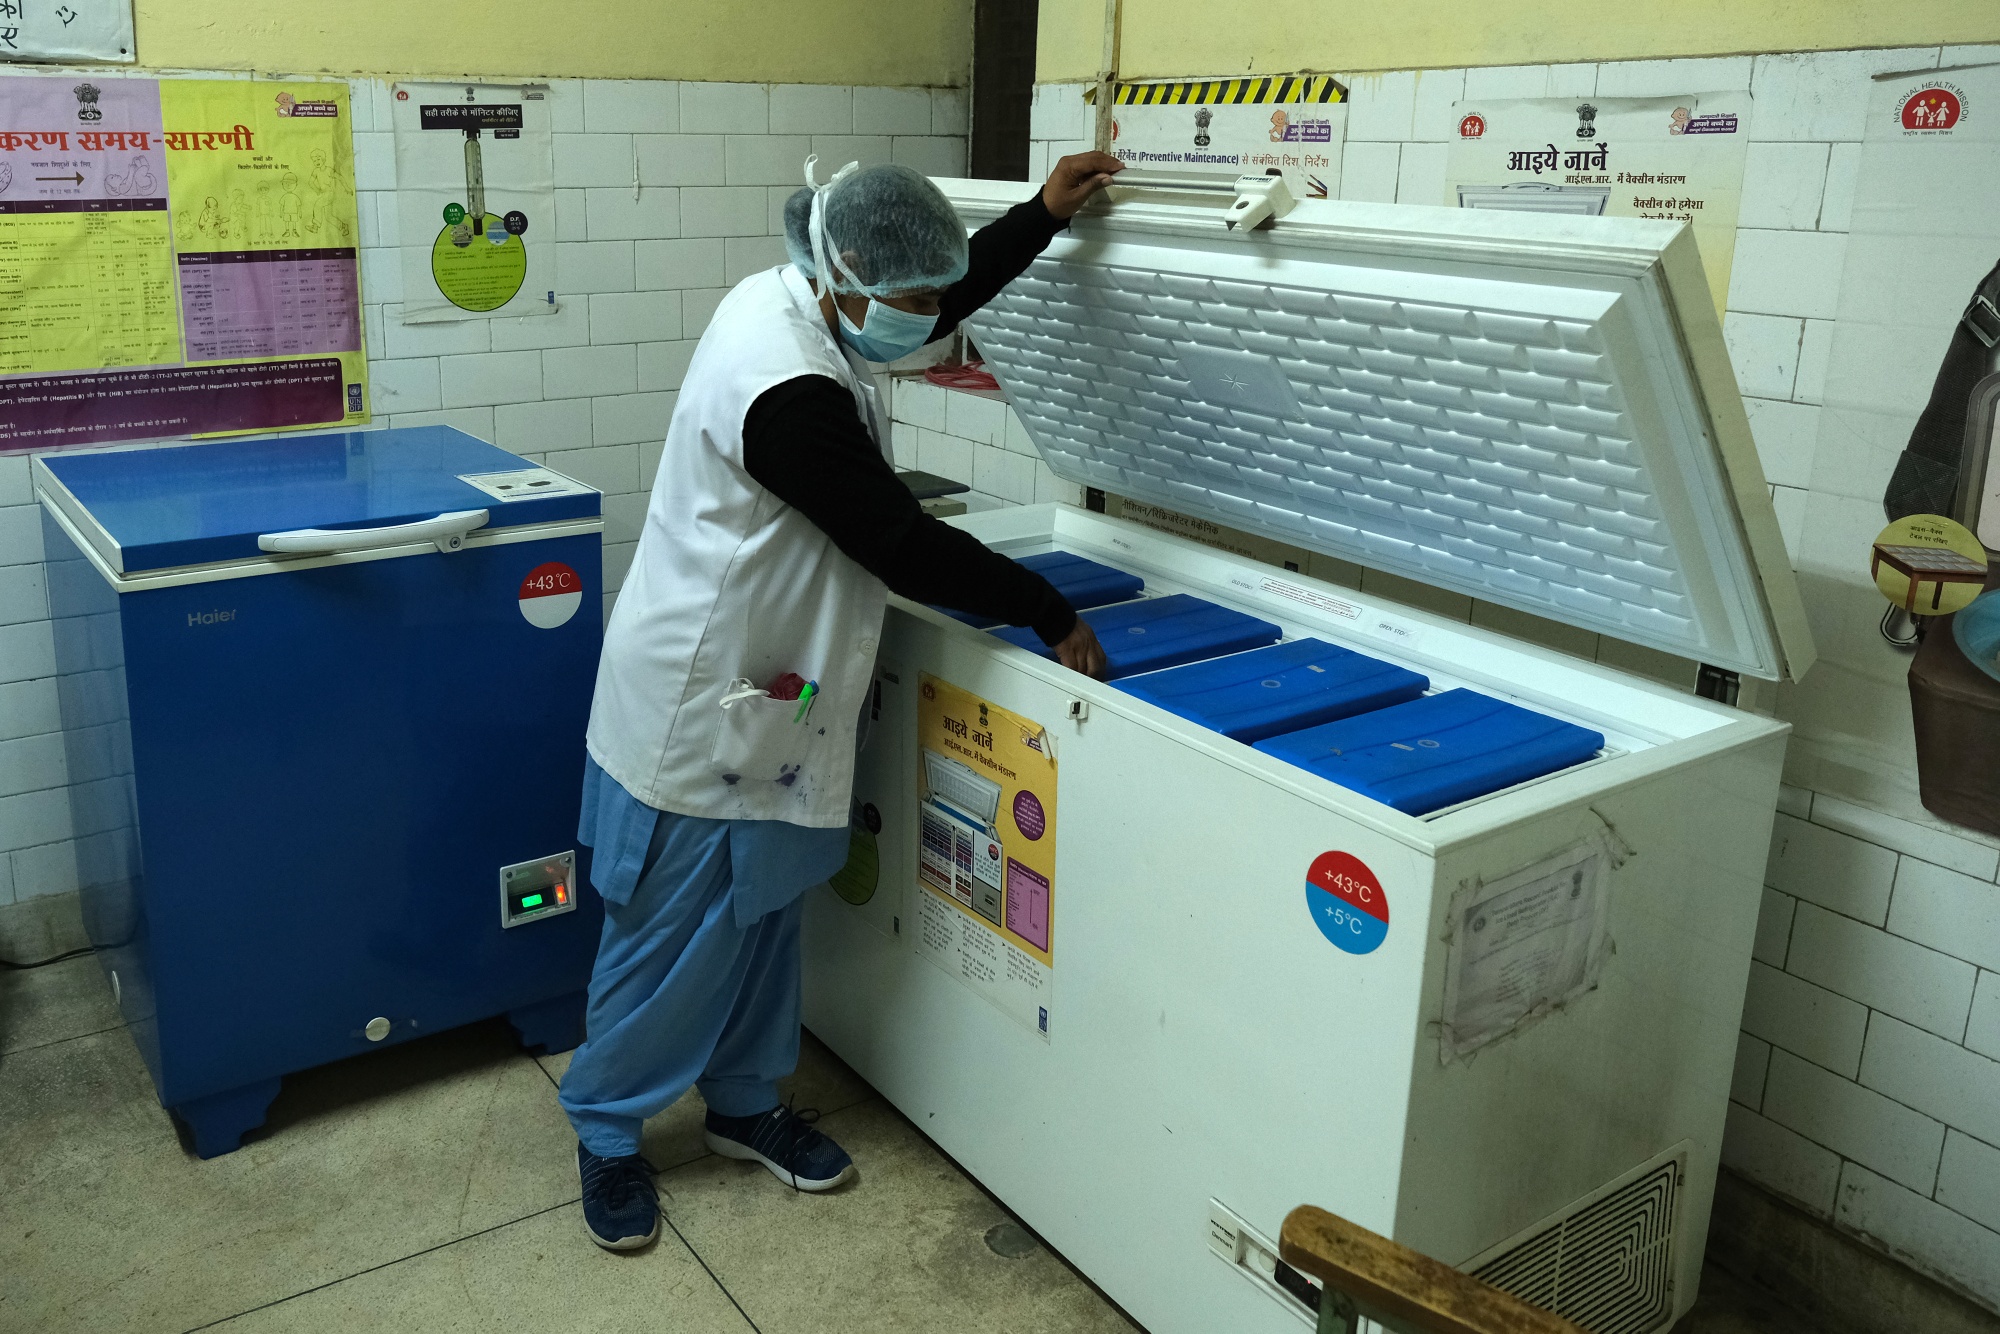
(10, 965)
(1896, 617)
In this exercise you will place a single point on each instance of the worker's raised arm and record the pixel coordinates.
(999, 251)
(804, 442)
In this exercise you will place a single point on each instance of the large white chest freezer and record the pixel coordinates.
(1156, 979)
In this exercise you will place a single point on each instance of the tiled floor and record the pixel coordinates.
(431, 1187)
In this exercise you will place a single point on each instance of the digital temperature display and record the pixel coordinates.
(554, 896)
(530, 891)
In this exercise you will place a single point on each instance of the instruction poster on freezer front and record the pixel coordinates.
(986, 849)
(177, 257)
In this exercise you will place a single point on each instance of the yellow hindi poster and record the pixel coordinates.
(986, 849)
(181, 258)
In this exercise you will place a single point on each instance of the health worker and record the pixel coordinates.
(740, 655)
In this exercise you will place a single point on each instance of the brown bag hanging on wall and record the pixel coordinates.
(1954, 706)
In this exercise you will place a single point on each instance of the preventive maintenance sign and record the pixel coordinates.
(177, 257)
(986, 850)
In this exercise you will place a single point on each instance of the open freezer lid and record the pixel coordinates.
(1536, 410)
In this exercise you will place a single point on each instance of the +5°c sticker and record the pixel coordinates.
(1347, 902)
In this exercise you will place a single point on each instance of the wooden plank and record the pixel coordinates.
(1402, 1283)
(1107, 77)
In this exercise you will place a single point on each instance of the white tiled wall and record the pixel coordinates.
(589, 389)
(1868, 1079)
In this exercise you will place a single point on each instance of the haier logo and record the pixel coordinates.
(211, 617)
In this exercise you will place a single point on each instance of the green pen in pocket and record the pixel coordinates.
(806, 697)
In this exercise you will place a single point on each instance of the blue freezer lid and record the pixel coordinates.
(1437, 751)
(192, 504)
(1086, 583)
(1282, 688)
(1147, 635)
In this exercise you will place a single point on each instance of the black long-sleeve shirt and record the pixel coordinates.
(804, 441)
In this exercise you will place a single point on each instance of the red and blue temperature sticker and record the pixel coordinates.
(1347, 902)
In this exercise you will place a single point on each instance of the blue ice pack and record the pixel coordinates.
(1282, 688)
(1152, 633)
(1438, 750)
(1086, 583)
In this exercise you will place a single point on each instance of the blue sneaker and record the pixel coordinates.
(784, 1141)
(621, 1206)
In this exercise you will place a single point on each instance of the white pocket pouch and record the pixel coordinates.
(758, 739)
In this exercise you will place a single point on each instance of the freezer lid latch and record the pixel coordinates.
(1259, 198)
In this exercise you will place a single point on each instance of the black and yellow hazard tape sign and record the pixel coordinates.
(1272, 88)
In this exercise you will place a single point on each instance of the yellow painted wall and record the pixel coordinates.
(877, 42)
(1165, 38)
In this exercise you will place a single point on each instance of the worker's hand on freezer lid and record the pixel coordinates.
(1080, 652)
(1075, 179)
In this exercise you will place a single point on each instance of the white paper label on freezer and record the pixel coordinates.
(1524, 945)
(525, 484)
(1312, 597)
(550, 595)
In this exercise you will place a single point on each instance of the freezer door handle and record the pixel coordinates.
(446, 530)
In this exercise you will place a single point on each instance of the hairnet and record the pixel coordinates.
(888, 226)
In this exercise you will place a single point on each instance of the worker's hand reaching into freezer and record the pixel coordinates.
(1080, 652)
(1075, 179)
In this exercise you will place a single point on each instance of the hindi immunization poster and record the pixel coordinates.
(1294, 124)
(476, 201)
(1678, 158)
(986, 850)
(177, 257)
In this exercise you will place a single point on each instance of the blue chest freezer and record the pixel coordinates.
(324, 700)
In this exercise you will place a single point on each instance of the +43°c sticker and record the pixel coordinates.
(1347, 902)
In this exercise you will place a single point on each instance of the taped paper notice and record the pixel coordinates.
(1524, 945)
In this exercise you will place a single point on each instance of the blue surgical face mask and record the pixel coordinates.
(886, 333)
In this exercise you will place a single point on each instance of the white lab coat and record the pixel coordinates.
(731, 583)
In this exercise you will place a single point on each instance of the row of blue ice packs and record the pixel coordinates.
(1368, 725)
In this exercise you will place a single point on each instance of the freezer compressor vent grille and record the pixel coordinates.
(1609, 1266)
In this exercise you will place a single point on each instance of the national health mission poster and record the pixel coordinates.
(986, 850)
(177, 257)
(1293, 124)
(1674, 158)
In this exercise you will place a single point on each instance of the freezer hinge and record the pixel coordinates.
(1717, 683)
